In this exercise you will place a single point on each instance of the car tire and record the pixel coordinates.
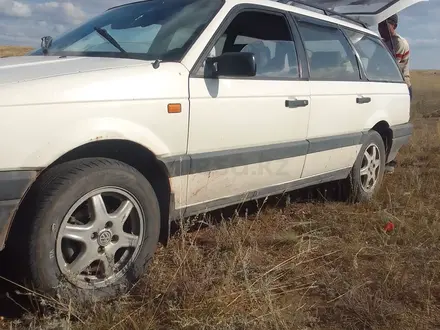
(366, 175)
(98, 229)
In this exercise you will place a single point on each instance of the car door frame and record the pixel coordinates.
(194, 73)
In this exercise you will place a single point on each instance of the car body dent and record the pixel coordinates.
(62, 112)
(384, 115)
(387, 114)
(96, 129)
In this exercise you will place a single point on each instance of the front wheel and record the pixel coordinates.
(367, 173)
(94, 228)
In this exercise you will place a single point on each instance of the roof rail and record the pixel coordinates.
(325, 11)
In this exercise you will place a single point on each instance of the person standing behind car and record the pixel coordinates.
(398, 46)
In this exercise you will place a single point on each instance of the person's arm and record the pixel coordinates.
(401, 52)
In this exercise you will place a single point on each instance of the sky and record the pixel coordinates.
(24, 22)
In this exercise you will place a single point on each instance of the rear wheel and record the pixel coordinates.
(94, 228)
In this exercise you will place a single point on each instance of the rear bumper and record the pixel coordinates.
(13, 186)
(401, 136)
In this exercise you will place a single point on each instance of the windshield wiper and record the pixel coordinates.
(106, 35)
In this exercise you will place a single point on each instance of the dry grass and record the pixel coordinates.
(6, 51)
(305, 265)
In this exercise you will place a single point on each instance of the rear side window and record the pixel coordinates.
(329, 54)
(378, 63)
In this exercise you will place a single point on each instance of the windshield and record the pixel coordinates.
(149, 30)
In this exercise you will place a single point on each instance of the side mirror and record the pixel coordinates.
(46, 42)
(232, 65)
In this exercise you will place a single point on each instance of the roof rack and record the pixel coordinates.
(325, 11)
(125, 4)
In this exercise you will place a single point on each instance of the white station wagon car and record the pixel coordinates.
(158, 110)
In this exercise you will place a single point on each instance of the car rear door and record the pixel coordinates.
(335, 129)
(382, 83)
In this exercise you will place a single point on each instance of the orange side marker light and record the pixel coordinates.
(174, 108)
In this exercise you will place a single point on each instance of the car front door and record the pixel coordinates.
(247, 136)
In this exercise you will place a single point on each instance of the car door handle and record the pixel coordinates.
(296, 103)
(362, 100)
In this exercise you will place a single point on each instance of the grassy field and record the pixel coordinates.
(301, 263)
(6, 51)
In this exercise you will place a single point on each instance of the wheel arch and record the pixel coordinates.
(131, 153)
(383, 128)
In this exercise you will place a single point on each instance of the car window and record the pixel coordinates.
(329, 54)
(274, 48)
(378, 63)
